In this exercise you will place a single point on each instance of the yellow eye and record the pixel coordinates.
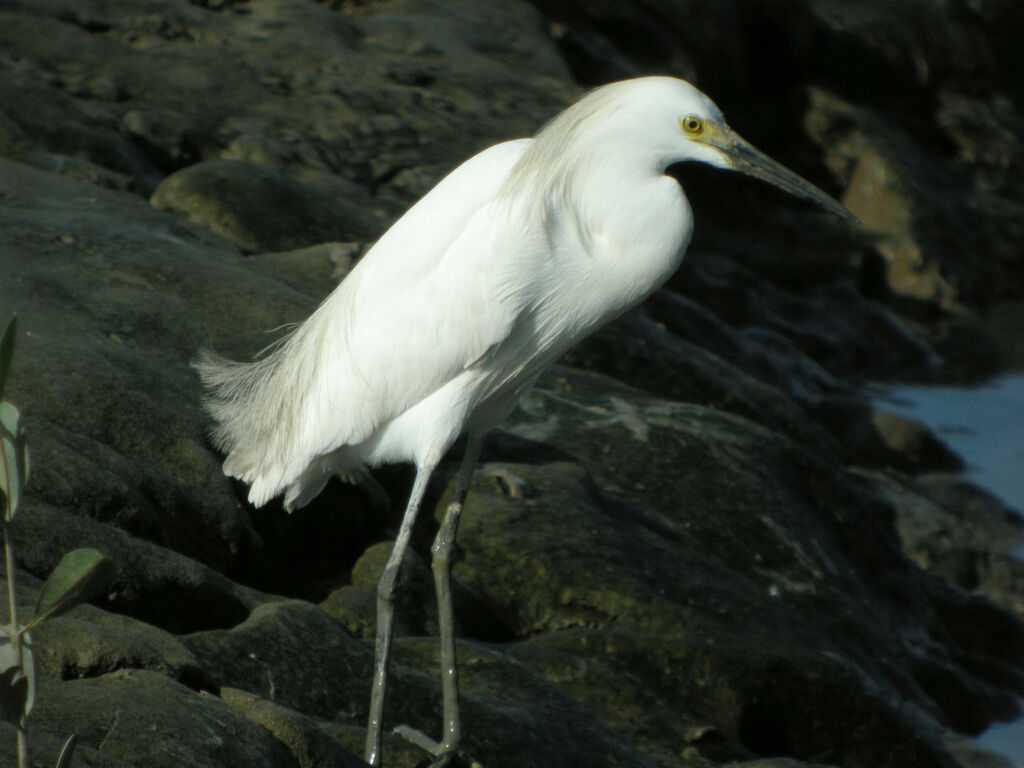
(692, 125)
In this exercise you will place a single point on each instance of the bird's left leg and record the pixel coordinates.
(385, 616)
(444, 543)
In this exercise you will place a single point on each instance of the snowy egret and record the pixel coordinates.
(444, 324)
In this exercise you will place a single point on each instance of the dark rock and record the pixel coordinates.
(296, 656)
(169, 137)
(293, 654)
(674, 566)
(604, 41)
(323, 265)
(644, 354)
(46, 747)
(977, 509)
(257, 207)
(836, 327)
(94, 642)
(924, 217)
(145, 718)
(50, 122)
(529, 720)
(89, 642)
(153, 584)
(611, 583)
(304, 737)
(873, 437)
(103, 366)
(355, 605)
(754, 704)
(951, 528)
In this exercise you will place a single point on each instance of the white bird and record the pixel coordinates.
(451, 316)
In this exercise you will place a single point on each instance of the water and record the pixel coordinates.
(1006, 739)
(985, 426)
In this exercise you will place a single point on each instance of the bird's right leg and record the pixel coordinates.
(386, 613)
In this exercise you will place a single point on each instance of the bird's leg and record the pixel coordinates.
(442, 567)
(445, 750)
(385, 616)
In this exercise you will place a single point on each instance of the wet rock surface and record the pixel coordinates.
(695, 543)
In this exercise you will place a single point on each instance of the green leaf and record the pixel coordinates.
(13, 458)
(7, 351)
(78, 577)
(28, 667)
(13, 695)
(17, 690)
(9, 658)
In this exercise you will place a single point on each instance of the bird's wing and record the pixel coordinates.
(423, 304)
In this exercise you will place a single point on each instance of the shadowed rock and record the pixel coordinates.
(697, 544)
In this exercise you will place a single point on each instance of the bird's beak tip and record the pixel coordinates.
(850, 216)
(746, 158)
(837, 208)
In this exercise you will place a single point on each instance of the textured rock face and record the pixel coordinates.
(696, 545)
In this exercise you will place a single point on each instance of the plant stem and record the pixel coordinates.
(64, 761)
(22, 747)
(12, 602)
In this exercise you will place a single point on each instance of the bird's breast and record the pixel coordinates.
(585, 267)
(630, 246)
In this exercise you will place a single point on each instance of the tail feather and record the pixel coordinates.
(248, 420)
(314, 477)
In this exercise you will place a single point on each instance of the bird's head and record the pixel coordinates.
(685, 125)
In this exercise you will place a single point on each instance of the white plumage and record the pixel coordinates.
(385, 341)
(443, 325)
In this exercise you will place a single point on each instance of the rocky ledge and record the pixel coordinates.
(694, 544)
